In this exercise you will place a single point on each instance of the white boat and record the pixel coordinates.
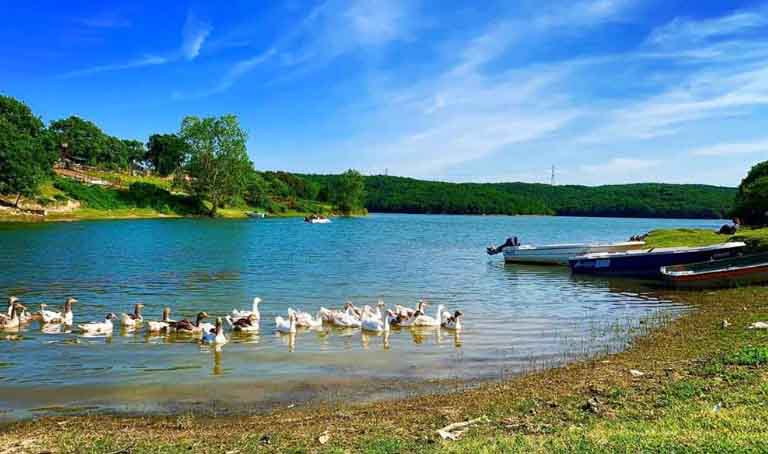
(318, 220)
(556, 254)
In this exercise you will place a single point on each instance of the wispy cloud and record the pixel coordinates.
(331, 29)
(687, 31)
(149, 60)
(726, 149)
(104, 20)
(194, 34)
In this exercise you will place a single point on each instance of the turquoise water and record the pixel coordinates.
(516, 317)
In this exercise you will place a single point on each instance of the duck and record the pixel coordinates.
(14, 321)
(238, 314)
(215, 336)
(306, 320)
(185, 326)
(286, 326)
(376, 324)
(348, 319)
(131, 320)
(426, 320)
(155, 326)
(66, 317)
(452, 322)
(248, 324)
(104, 327)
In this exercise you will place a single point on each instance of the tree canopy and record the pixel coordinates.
(27, 152)
(752, 200)
(218, 164)
(166, 153)
(348, 191)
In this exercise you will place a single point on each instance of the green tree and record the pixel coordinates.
(218, 164)
(166, 152)
(348, 191)
(27, 152)
(752, 199)
(83, 139)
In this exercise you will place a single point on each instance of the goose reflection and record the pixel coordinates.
(218, 369)
(288, 339)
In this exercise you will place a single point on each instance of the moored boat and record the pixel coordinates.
(555, 254)
(730, 272)
(647, 263)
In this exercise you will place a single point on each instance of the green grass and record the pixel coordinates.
(749, 356)
(756, 239)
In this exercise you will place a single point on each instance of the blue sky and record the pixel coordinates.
(608, 91)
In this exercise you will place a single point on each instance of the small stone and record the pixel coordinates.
(759, 325)
(323, 439)
(265, 440)
(725, 324)
(636, 373)
(592, 405)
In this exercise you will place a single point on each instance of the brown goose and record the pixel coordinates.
(131, 320)
(185, 326)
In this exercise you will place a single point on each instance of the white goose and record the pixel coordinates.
(216, 336)
(306, 320)
(286, 326)
(347, 319)
(426, 320)
(104, 327)
(238, 314)
(66, 317)
(376, 325)
(155, 326)
(452, 322)
(131, 320)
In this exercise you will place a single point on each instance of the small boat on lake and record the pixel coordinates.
(317, 219)
(555, 254)
(647, 263)
(730, 272)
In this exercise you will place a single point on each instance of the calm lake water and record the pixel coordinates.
(516, 317)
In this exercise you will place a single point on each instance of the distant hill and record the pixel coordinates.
(408, 195)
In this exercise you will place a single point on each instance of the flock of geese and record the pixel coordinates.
(376, 319)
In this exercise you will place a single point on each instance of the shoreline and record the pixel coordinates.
(596, 402)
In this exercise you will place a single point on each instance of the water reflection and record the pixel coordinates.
(515, 315)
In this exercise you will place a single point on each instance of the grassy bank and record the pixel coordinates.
(756, 239)
(702, 388)
(145, 197)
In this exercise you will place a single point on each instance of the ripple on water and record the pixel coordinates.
(516, 317)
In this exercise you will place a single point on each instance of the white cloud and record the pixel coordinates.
(620, 166)
(687, 31)
(194, 35)
(725, 149)
(150, 60)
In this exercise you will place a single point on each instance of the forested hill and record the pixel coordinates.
(408, 195)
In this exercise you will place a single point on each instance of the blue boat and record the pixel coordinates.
(647, 263)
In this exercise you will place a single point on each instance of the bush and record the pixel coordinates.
(138, 195)
(749, 356)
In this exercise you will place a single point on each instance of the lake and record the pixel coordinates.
(517, 318)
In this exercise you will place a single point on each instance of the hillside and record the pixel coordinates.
(408, 195)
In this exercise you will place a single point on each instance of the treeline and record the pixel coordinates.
(206, 160)
(408, 195)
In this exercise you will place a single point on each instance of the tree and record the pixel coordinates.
(83, 139)
(218, 164)
(752, 199)
(27, 152)
(348, 191)
(166, 152)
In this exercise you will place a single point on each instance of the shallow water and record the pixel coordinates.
(516, 317)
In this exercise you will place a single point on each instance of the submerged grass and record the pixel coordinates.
(702, 388)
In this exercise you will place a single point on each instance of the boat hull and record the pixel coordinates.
(736, 272)
(648, 264)
(560, 254)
